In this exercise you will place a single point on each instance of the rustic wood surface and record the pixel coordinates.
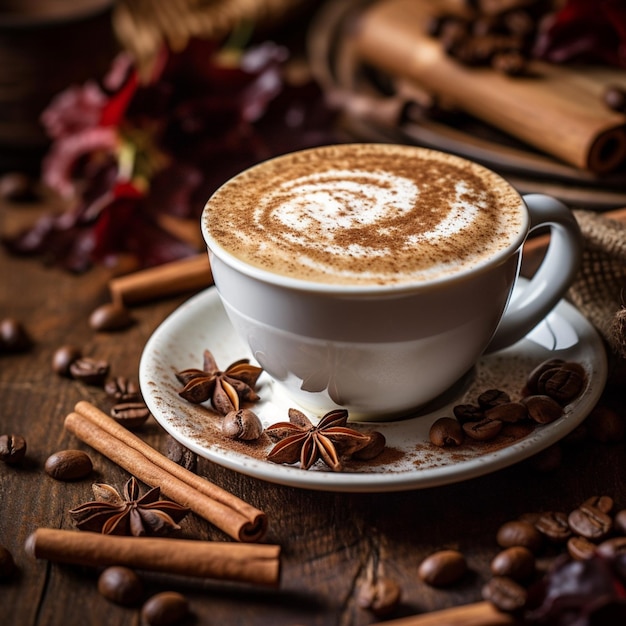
(328, 540)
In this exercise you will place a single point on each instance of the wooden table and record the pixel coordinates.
(328, 540)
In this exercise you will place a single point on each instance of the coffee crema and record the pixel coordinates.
(365, 214)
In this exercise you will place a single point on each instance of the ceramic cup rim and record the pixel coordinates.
(407, 286)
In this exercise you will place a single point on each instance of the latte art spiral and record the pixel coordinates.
(365, 215)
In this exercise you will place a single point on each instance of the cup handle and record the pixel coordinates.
(554, 276)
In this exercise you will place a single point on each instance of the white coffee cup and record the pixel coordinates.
(380, 348)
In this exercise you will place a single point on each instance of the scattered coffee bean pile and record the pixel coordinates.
(123, 586)
(593, 535)
(550, 387)
(128, 409)
(499, 35)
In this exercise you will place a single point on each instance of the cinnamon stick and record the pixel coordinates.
(235, 517)
(190, 274)
(552, 108)
(477, 614)
(250, 563)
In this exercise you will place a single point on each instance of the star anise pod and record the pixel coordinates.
(330, 440)
(226, 389)
(114, 514)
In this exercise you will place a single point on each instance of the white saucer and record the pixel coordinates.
(410, 461)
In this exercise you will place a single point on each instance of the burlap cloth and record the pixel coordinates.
(599, 290)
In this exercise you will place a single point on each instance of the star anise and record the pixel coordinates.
(330, 440)
(226, 389)
(113, 514)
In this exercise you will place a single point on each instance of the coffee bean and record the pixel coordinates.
(110, 316)
(615, 98)
(243, 424)
(468, 413)
(548, 459)
(130, 414)
(89, 371)
(63, 357)
(14, 336)
(442, 568)
(7, 564)
(505, 594)
(17, 187)
(446, 432)
(68, 465)
(120, 585)
(377, 444)
(509, 412)
(532, 382)
(519, 533)
(12, 449)
(590, 522)
(542, 409)
(122, 389)
(516, 562)
(165, 609)
(554, 525)
(612, 547)
(484, 430)
(603, 503)
(580, 548)
(605, 425)
(561, 383)
(492, 397)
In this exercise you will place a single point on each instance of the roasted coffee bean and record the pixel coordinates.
(561, 383)
(68, 465)
(375, 447)
(505, 594)
(7, 564)
(554, 525)
(110, 316)
(603, 503)
(12, 449)
(14, 336)
(532, 382)
(442, 568)
(380, 596)
(620, 521)
(605, 425)
(468, 413)
(89, 371)
(516, 562)
(492, 397)
(122, 389)
(243, 424)
(63, 357)
(509, 412)
(446, 432)
(519, 533)
(580, 548)
(130, 414)
(542, 409)
(615, 98)
(590, 522)
(612, 547)
(519, 22)
(484, 430)
(165, 609)
(120, 585)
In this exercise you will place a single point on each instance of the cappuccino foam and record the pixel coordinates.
(365, 214)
